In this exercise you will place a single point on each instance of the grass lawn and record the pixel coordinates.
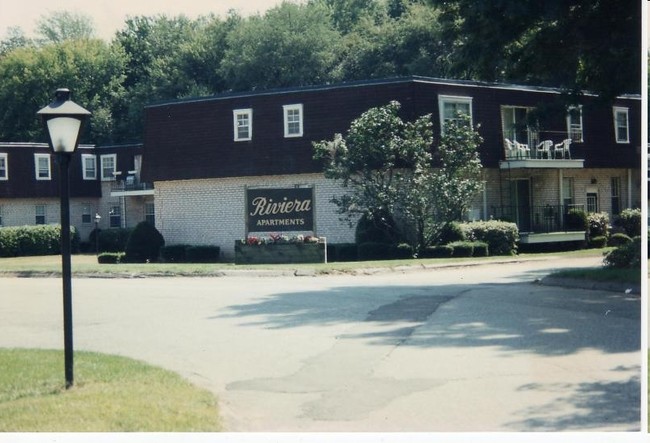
(603, 275)
(111, 394)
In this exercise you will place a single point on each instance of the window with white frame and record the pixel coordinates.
(516, 125)
(150, 213)
(86, 214)
(42, 167)
(115, 217)
(89, 164)
(109, 166)
(293, 120)
(574, 123)
(452, 107)
(621, 125)
(243, 124)
(4, 166)
(40, 214)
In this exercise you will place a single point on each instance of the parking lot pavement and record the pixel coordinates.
(469, 349)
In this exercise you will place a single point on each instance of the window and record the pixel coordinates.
(149, 213)
(4, 167)
(42, 166)
(40, 214)
(450, 108)
(621, 125)
(115, 217)
(574, 123)
(86, 214)
(616, 195)
(243, 124)
(89, 163)
(109, 166)
(292, 120)
(516, 126)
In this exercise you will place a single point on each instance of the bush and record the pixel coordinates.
(174, 253)
(110, 258)
(576, 220)
(144, 244)
(626, 256)
(110, 240)
(203, 254)
(630, 221)
(598, 224)
(481, 249)
(341, 252)
(501, 237)
(462, 249)
(619, 240)
(445, 251)
(598, 242)
(403, 251)
(35, 240)
(377, 229)
(451, 232)
(375, 251)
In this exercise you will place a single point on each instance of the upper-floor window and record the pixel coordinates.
(621, 125)
(89, 162)
(293, 120)
(243, 124)
(517, 127)
(4, 166)
(109, 166)
(574, 123)
(451, 108)
(42, 167)
(40, 214)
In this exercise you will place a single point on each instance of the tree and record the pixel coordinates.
(571, 44)
(380, 161)
(291, 45)
(59, 26)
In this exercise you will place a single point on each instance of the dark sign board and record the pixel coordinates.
(277, 210)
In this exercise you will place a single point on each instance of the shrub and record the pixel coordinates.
(598, 224)
(144, 244)
(619, 239)
(445, 251)
(626, 256)
(403, 251)
(111, 240)
(34, 240)
(451, 232)
(481, 249)
(375, 251)
(377, 229)
(203, 254)
(462, 249)
(576, 220)
(630, 221)
(501, 237)
(174, 253)
(110, 258)
(598, 241)
(341, 252)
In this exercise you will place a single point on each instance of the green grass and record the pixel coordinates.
(86, 265)
(111, 394)
(603, 275)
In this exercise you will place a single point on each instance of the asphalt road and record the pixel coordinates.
(466, 349)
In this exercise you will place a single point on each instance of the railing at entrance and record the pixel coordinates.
(539, 219)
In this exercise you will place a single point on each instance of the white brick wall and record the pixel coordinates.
(211, 211)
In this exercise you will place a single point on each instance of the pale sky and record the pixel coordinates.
(109, 15)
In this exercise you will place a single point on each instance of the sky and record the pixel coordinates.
(109, 15)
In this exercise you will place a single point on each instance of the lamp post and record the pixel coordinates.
(63, 120)
(97, 219)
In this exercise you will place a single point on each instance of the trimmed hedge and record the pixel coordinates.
(501, 237)
(174, 253)
(598, 242)
(341, 252)
(630, 221)
(384, 251)
(445, 251)
(110, 258)
(462, 249)
(202, 254)
(110, 240)
(16, 241)
(619, 239)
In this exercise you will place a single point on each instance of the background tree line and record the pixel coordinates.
(570, 44)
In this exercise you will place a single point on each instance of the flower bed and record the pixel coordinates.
(277, 249)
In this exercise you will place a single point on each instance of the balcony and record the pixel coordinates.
(131, 187)
(537, 153)
(542, 223)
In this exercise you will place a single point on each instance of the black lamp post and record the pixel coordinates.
(63, 120)
(97, 220)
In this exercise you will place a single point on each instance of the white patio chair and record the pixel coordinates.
(523, 151)
(563, 147)
(511, 150)
(544, 148)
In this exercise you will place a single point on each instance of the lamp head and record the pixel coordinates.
(63, 120)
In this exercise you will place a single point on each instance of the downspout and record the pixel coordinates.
(561, 195)
(629, 188)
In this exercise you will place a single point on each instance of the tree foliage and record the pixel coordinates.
(59, 26)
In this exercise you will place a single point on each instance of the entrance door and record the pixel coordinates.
(521, 203)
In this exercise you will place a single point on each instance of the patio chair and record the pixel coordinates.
(563, 147)
(523, 151)
(544, 148)
(511, 150)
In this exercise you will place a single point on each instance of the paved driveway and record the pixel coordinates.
(465, 349)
